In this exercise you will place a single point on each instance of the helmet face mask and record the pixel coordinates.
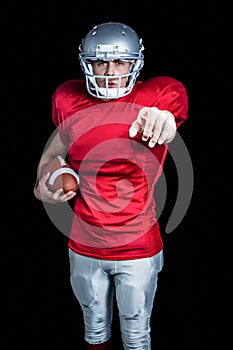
(107, 42)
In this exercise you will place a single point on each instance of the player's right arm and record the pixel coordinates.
(41, 191)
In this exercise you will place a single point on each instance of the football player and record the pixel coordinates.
(115, 129)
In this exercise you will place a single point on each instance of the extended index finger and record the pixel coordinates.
(134, 128)
(139, 123)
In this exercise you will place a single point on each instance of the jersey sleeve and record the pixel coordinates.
(59, 119)
(174, 98)
(65, 100)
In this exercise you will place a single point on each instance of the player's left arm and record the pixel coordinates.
(158, 125)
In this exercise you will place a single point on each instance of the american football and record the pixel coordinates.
(61, 175)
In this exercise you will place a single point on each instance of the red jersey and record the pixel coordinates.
(115, 209)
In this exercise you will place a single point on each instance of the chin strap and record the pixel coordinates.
(112, 92)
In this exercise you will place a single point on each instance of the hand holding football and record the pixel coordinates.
(61, 175)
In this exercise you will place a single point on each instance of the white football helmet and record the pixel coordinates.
(111, 41)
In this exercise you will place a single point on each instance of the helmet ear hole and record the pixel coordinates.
(115, 41)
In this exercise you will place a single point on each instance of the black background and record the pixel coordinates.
(182, 39)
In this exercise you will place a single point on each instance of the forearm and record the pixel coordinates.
(55, 148)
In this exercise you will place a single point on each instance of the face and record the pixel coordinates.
(111, 68)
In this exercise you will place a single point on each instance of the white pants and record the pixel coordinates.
(134, 282)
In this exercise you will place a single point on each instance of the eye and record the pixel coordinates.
(101, 63)
(120, 63)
